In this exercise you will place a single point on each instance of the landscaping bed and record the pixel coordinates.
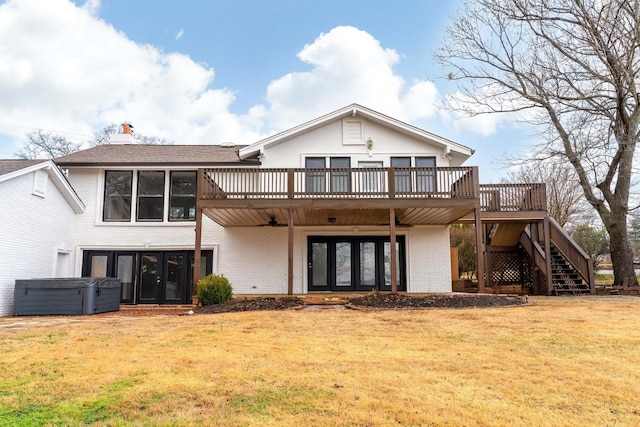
(250, 304)
(377, 300)
(393, 301)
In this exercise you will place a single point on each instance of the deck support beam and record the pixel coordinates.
(197, 253)
(290, 253)
(392, 247)
(479, 247)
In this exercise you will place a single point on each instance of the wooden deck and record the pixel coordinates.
(235, 197)
(390, 197)
(353, 196)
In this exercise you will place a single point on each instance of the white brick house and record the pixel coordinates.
(349, 202)
(140, 219)
(38, 210)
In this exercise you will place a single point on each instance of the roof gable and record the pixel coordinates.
(355, 110)
(9, 169)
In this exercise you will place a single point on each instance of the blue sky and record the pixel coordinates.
(200, 71)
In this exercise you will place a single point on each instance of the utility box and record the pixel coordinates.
(72, 296)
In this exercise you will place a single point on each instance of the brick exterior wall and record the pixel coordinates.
(253, 259)
(36, 229)
(429, 267)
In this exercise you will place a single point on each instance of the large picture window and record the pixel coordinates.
(150, 195)
(143, 195)
(117, 196)
(182, 196)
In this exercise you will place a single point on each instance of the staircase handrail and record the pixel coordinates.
(535, 251)
(572, 252)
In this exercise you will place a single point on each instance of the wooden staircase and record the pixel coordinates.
(564, 277)
(560, 265)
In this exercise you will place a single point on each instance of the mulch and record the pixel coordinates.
(375, 300)
(251, 304)
(369, 301)
(396, 301)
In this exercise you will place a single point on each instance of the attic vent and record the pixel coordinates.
(352, 132)
(227, 144)
(39, 183)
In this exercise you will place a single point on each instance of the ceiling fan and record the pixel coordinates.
(273, 222)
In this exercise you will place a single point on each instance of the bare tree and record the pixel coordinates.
(565, 199)
(102, 137)
(43, 145)
(572, 66)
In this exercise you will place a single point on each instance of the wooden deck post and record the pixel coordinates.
(197, 252)
(200, 188)
(479, 230)
(290, 254)
(392, 244)
(479, 248)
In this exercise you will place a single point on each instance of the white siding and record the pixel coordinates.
(34, 230)
(327, 141)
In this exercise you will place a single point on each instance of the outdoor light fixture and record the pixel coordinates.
(369, 144)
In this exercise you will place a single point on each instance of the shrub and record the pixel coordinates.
(214, 289)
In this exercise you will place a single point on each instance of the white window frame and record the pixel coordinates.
(99, 221)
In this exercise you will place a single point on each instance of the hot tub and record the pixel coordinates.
(72, 296)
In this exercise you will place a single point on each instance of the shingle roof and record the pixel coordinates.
(12, 165)
(138, 154)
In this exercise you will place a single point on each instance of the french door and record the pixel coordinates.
(346, 263)
(148, 277)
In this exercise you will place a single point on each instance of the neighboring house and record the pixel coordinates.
(352, 201)
(38, 210)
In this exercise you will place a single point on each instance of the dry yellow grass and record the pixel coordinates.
(563, 361)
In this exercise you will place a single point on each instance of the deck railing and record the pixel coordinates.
(513, 197)
(335, 183)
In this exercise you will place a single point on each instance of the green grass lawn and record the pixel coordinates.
(562, 361)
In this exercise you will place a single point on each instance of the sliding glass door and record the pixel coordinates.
(158, 277)
(346, 263)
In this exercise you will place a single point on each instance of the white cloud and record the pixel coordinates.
(349, 65)
(92, 6)
(64, 69)
(180, 34)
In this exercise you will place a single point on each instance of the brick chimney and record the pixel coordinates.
(126, 137)
(127, 128)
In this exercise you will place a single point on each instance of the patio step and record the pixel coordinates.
(325, 300)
